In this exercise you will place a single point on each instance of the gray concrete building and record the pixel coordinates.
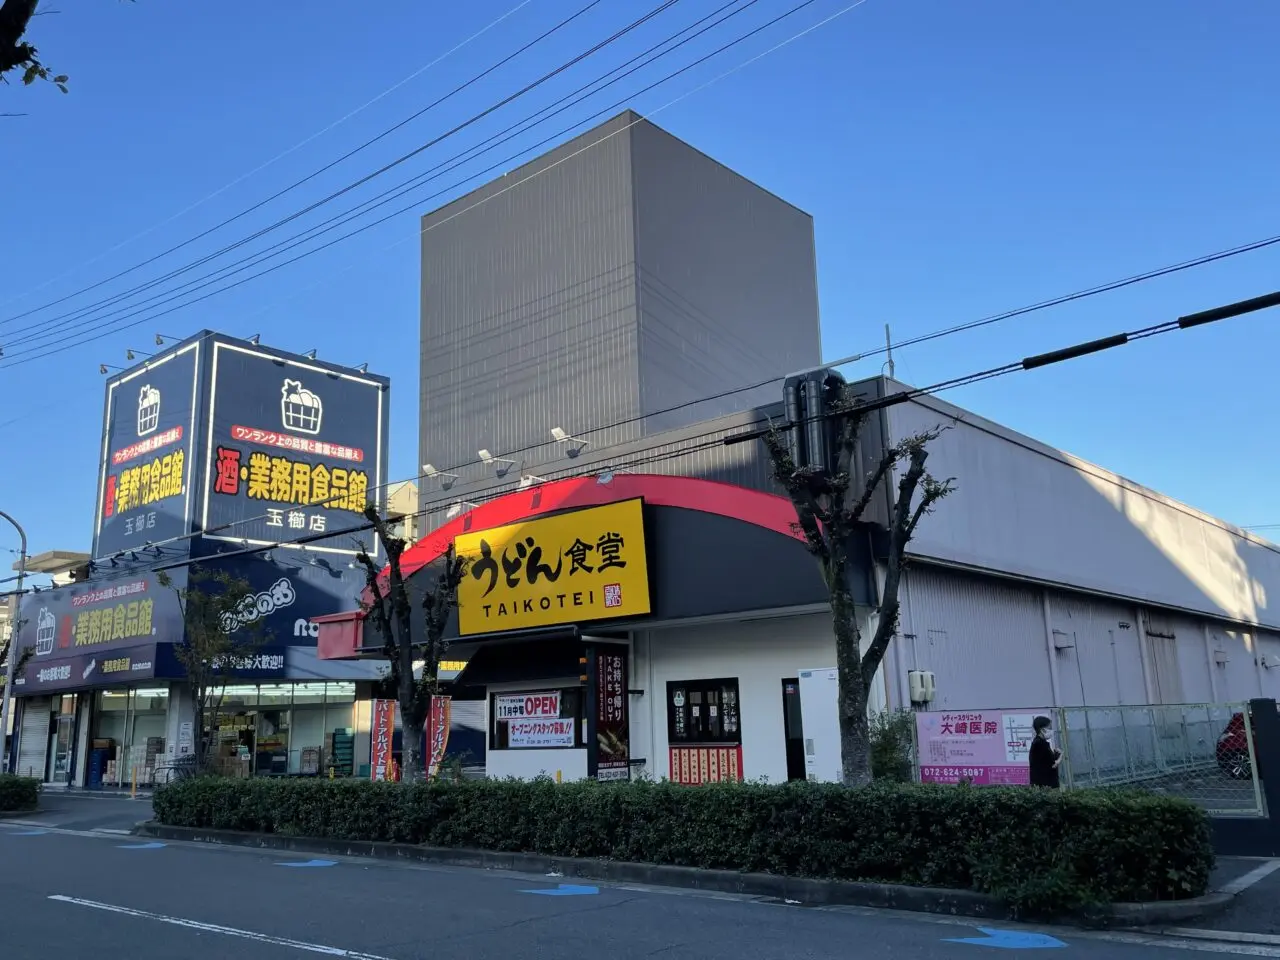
(621, 274)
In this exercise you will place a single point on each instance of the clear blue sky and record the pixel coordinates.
(959, 158)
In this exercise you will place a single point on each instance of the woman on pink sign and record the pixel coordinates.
(1044, 757)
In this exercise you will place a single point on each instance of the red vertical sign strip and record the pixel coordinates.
(438, 733)
(382, 733)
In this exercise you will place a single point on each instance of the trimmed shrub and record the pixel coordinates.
(1039, 850)
(893, 745)
(18, 793)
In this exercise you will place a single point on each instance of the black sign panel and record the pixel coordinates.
(145, 482)
(296, 450)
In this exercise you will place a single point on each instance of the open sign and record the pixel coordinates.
(524, 706)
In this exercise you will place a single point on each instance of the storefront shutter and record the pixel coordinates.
(33, 741)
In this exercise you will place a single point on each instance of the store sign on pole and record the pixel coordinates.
(583, 565)
(437, 733)
(612, 738)
(382, 736)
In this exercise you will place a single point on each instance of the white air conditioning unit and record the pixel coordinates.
(920, 683)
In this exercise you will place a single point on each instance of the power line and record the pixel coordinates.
(280, 156)
(716, 437)
(475, 118)
(29, 356)
(521, 126)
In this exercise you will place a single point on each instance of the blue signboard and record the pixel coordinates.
(93, 634)
(288, 590)
(145, 488)
(296, 450)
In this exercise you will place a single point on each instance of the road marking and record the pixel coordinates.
(123, 833)
(1256, 875)
(566, 890)
(154, 845)
(307, 863)
(1228, 936)
(27, 833)
(1009, 939)
(218, 928)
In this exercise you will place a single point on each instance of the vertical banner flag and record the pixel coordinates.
(382, 734)
(437, 733)
(613, 757)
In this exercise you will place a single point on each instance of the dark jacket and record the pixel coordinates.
(1043, 772)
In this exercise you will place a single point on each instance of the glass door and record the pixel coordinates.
(62, 740)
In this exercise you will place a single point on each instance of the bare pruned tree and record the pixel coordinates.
(390, 608)
(830, 507)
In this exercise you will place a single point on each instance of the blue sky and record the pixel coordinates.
(960, 159)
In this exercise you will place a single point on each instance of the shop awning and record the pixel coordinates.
(528, 655)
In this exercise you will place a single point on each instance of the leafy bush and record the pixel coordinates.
(893, 746)
(1040, 850)
(18, 793)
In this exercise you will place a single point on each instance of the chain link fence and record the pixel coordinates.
(1204, 752)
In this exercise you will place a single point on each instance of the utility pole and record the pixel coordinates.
(888, 349)
(12, 658)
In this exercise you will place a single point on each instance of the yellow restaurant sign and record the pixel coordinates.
(585, 565)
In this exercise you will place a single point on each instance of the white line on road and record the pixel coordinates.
(218, 928)
(1257, 874)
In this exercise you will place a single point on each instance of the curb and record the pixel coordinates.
(812, 892)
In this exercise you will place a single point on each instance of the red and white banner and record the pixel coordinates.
(527, 706)
(382, 734)
(437, 733)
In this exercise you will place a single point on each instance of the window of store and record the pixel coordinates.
(285, 729)
(128, 735)
(703, 712)
(538, 719)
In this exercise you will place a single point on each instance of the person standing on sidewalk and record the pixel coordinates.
(1044, 757)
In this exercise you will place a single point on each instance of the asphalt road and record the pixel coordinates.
(71, 889)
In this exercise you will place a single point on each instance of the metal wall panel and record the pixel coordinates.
(983, 639)
(528, 305)
(1028, 510)
(692, 451)
(1097, 652)
(727, 282)
(621, 273)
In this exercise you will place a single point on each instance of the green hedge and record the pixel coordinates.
(18, 793)
(1038, 849)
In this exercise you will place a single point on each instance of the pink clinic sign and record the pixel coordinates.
(983, 747)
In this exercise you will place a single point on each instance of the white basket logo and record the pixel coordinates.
(46, 629)
(148, 410)
(300, 409)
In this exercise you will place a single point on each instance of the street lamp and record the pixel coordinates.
(13, 639)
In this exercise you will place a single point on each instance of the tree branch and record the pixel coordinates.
(16, 53)
(809, 513)
(901, 528)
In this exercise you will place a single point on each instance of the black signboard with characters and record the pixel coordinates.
(297, 450)
(145, 482)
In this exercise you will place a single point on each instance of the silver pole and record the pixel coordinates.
(13, 639)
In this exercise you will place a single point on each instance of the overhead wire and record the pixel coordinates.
(718, 436)
(275, 159)
(403, 158)
(459, 159)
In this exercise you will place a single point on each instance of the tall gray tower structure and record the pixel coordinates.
(618, 275)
